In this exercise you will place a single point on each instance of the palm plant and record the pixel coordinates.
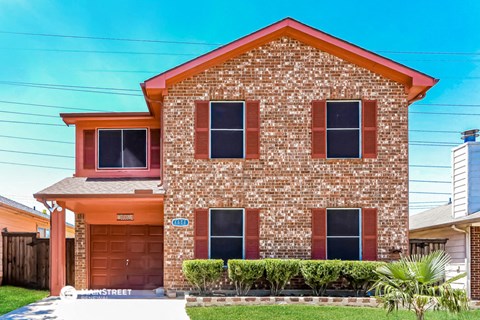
(418, 284)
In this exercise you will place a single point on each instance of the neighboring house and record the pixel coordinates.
(459, 222)
(16, 217)
(288, 143)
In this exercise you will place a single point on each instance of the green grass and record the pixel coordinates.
(12, 298)
(314, 313)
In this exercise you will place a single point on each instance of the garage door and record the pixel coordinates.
(126, 257)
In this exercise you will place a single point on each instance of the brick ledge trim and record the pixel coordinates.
(194, 301)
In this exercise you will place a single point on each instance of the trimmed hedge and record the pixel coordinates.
(203, 274)
(244, 273)
(279, 272)
(361, 274)
(318, 274)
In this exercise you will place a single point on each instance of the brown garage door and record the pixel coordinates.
(126, 256)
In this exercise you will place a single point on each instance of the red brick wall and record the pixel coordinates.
(285, 183)
(80, 252)
(475, 263)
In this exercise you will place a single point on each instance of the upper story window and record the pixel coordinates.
(227, 129)
(122, 148)
(226, 234)
(343, 129)
(343, 234)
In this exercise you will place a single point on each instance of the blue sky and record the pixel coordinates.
(380, 26)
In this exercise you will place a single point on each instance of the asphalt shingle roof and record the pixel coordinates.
(22, 207)
(439, 216)
(96, 186)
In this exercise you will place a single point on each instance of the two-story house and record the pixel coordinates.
(287, 143)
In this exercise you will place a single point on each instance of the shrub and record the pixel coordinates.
(319, 273)
(244, 273)
(203, 274)
(279, 272)
(361, 274)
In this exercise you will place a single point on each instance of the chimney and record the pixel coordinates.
(466, 175)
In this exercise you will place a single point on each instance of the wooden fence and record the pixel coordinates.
(425, 246)
(26, 260)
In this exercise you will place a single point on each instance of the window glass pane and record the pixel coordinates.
(134, 148)
(343, 143)
(343, 115)
(343, 248)
(226, 222)
(110, 148)
(227, 115)
(343, 223)
(226, 144)
(226, 248)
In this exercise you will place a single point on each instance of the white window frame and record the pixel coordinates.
(235, 237)
(210, 128)
(340, 129)
(345, 237)
(121, 137)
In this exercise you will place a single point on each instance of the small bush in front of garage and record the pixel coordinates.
(318, 274)
(203, 273)
(244, 273)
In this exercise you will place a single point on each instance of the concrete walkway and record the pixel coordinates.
(102, 309)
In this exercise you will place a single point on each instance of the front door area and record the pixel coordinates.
(126, 257)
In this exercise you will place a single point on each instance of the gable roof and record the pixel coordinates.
(18, 206)
(416, 83)
(439, 217)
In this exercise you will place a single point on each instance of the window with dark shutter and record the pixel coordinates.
(369, 128)
(226, 234)
(227, 129)
(122, 148)
(154, 148)
(202, 124)
(343, 234)
(343, 129)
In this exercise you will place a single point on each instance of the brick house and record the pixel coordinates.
(288, 142)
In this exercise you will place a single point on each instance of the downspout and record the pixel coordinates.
(467, 255)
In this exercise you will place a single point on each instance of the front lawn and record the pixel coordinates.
(313, 312)
(12, 298)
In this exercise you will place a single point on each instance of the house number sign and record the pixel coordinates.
(180, 222)
(124, 216)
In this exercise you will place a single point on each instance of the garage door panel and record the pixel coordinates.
(137, 230)
(111, 246)
(118, 230)
(99, 246)
(118, 246)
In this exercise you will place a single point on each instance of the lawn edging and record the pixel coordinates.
(196, 301)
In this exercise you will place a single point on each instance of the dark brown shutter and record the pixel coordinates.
(201, 234)
(369, 234)
(369, 128)
(319, 233)
(252, 234)
(252, 135)
(202, 125)
(154, 148)
(89, 149)
(319, 136)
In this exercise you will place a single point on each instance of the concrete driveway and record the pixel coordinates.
(104, 309)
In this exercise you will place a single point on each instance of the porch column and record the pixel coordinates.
(57, 250)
